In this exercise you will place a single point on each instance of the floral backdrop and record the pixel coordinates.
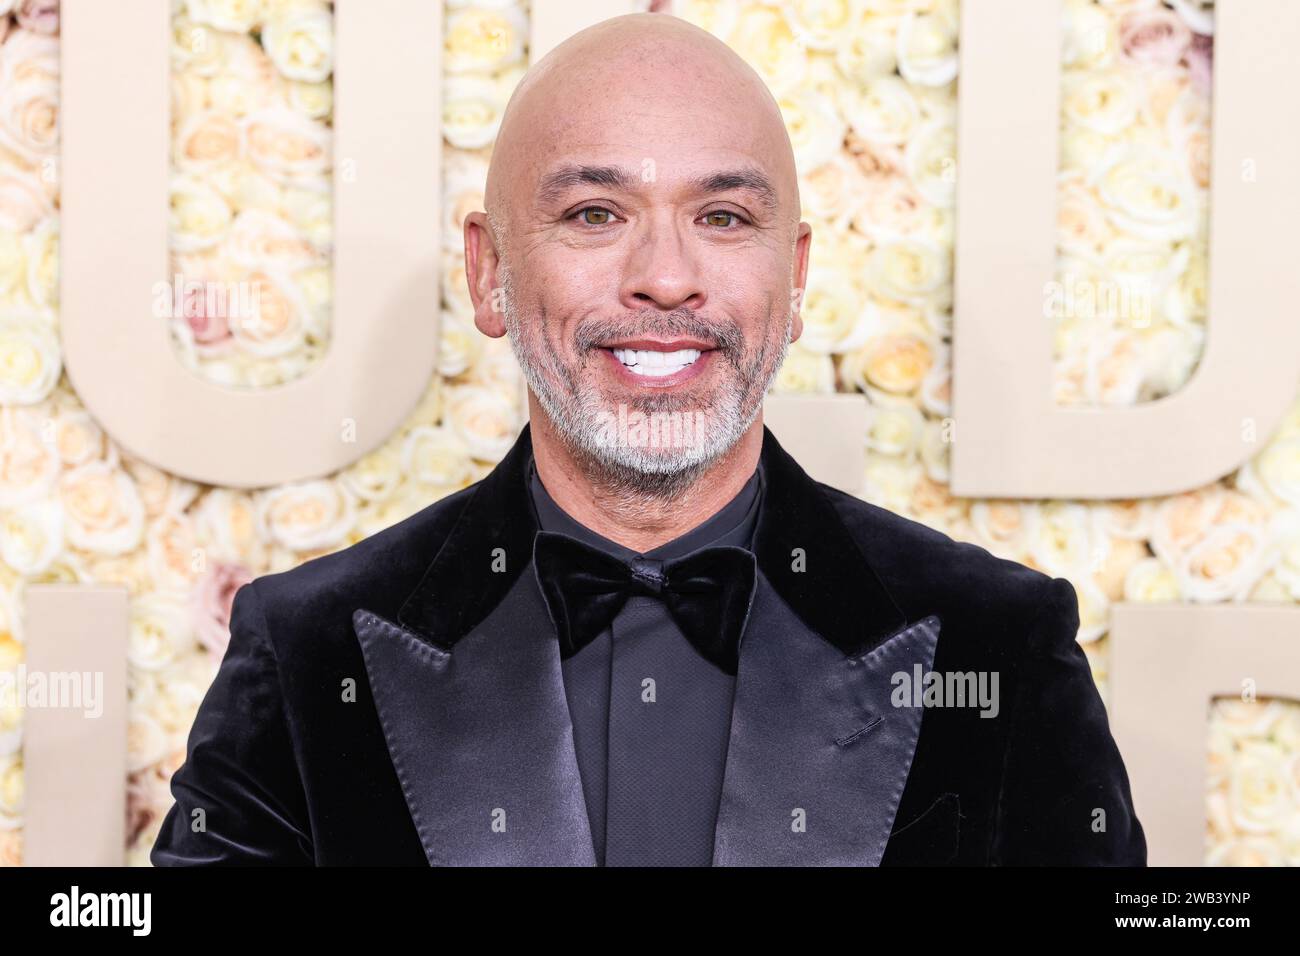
(868, 89)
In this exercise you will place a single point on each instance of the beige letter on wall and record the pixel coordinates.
(386, 255)
(1012, 440)
(1167, 662)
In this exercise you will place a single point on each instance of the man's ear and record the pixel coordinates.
(481, 260)
(802, 245)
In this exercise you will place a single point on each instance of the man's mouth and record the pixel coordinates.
(659, 363)
(656, 364)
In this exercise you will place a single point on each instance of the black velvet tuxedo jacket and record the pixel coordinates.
(397, 702)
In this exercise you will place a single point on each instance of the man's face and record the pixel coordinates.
(649, 277)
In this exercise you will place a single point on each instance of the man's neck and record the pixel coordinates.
(637, 521)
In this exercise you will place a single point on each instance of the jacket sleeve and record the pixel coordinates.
(239, 798)
(1064, 799)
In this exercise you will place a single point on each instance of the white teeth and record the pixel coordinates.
(657, 364)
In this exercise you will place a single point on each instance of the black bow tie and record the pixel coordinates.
(707, 592)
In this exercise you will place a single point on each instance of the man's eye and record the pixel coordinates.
(712, 218)
(603, 216)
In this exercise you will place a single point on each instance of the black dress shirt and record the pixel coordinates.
(651, 716)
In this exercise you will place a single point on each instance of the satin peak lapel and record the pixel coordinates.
(818, 755)
(480, 737)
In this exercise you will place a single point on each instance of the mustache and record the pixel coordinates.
(595, 333)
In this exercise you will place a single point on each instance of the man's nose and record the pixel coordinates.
(662, 267)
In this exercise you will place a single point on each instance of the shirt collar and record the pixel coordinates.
(733, 524)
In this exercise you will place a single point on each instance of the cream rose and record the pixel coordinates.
(286, 145)
(102, 510)
(206, 140)
(260, 239)
(277, 324)
(29, 465)
(836, 316)
(29, 95)
(24, 200)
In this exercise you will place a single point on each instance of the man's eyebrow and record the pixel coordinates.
(749, 178)
(555, 183)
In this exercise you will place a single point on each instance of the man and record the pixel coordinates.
(623, 651)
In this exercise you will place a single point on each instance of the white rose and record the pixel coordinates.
(376, 476)
(1062, 539)
(483, 41)
(436, 455)
(472, 108)
(1259, 793)
(42, 251)
(1148, 196)
(911, 270)
(894, 427)
(161, 629)
(30, 359)
(836, 317)
(146, 743)
(1090, 39)
(32, 536)
(485, 420)
(764, 39)
(815, 128)
(199, 215)
(718, 18)
(885, 111)
(458, 346)
(311, 211)
(233, 16)
(931, 157)
(818, 24)
(1106, 103)
(301, 44)
(927, 48)
(804, 372)
(313, 100)
(463, 182)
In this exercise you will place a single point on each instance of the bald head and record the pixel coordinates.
(599, 86)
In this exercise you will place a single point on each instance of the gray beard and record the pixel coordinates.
(656, 451)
